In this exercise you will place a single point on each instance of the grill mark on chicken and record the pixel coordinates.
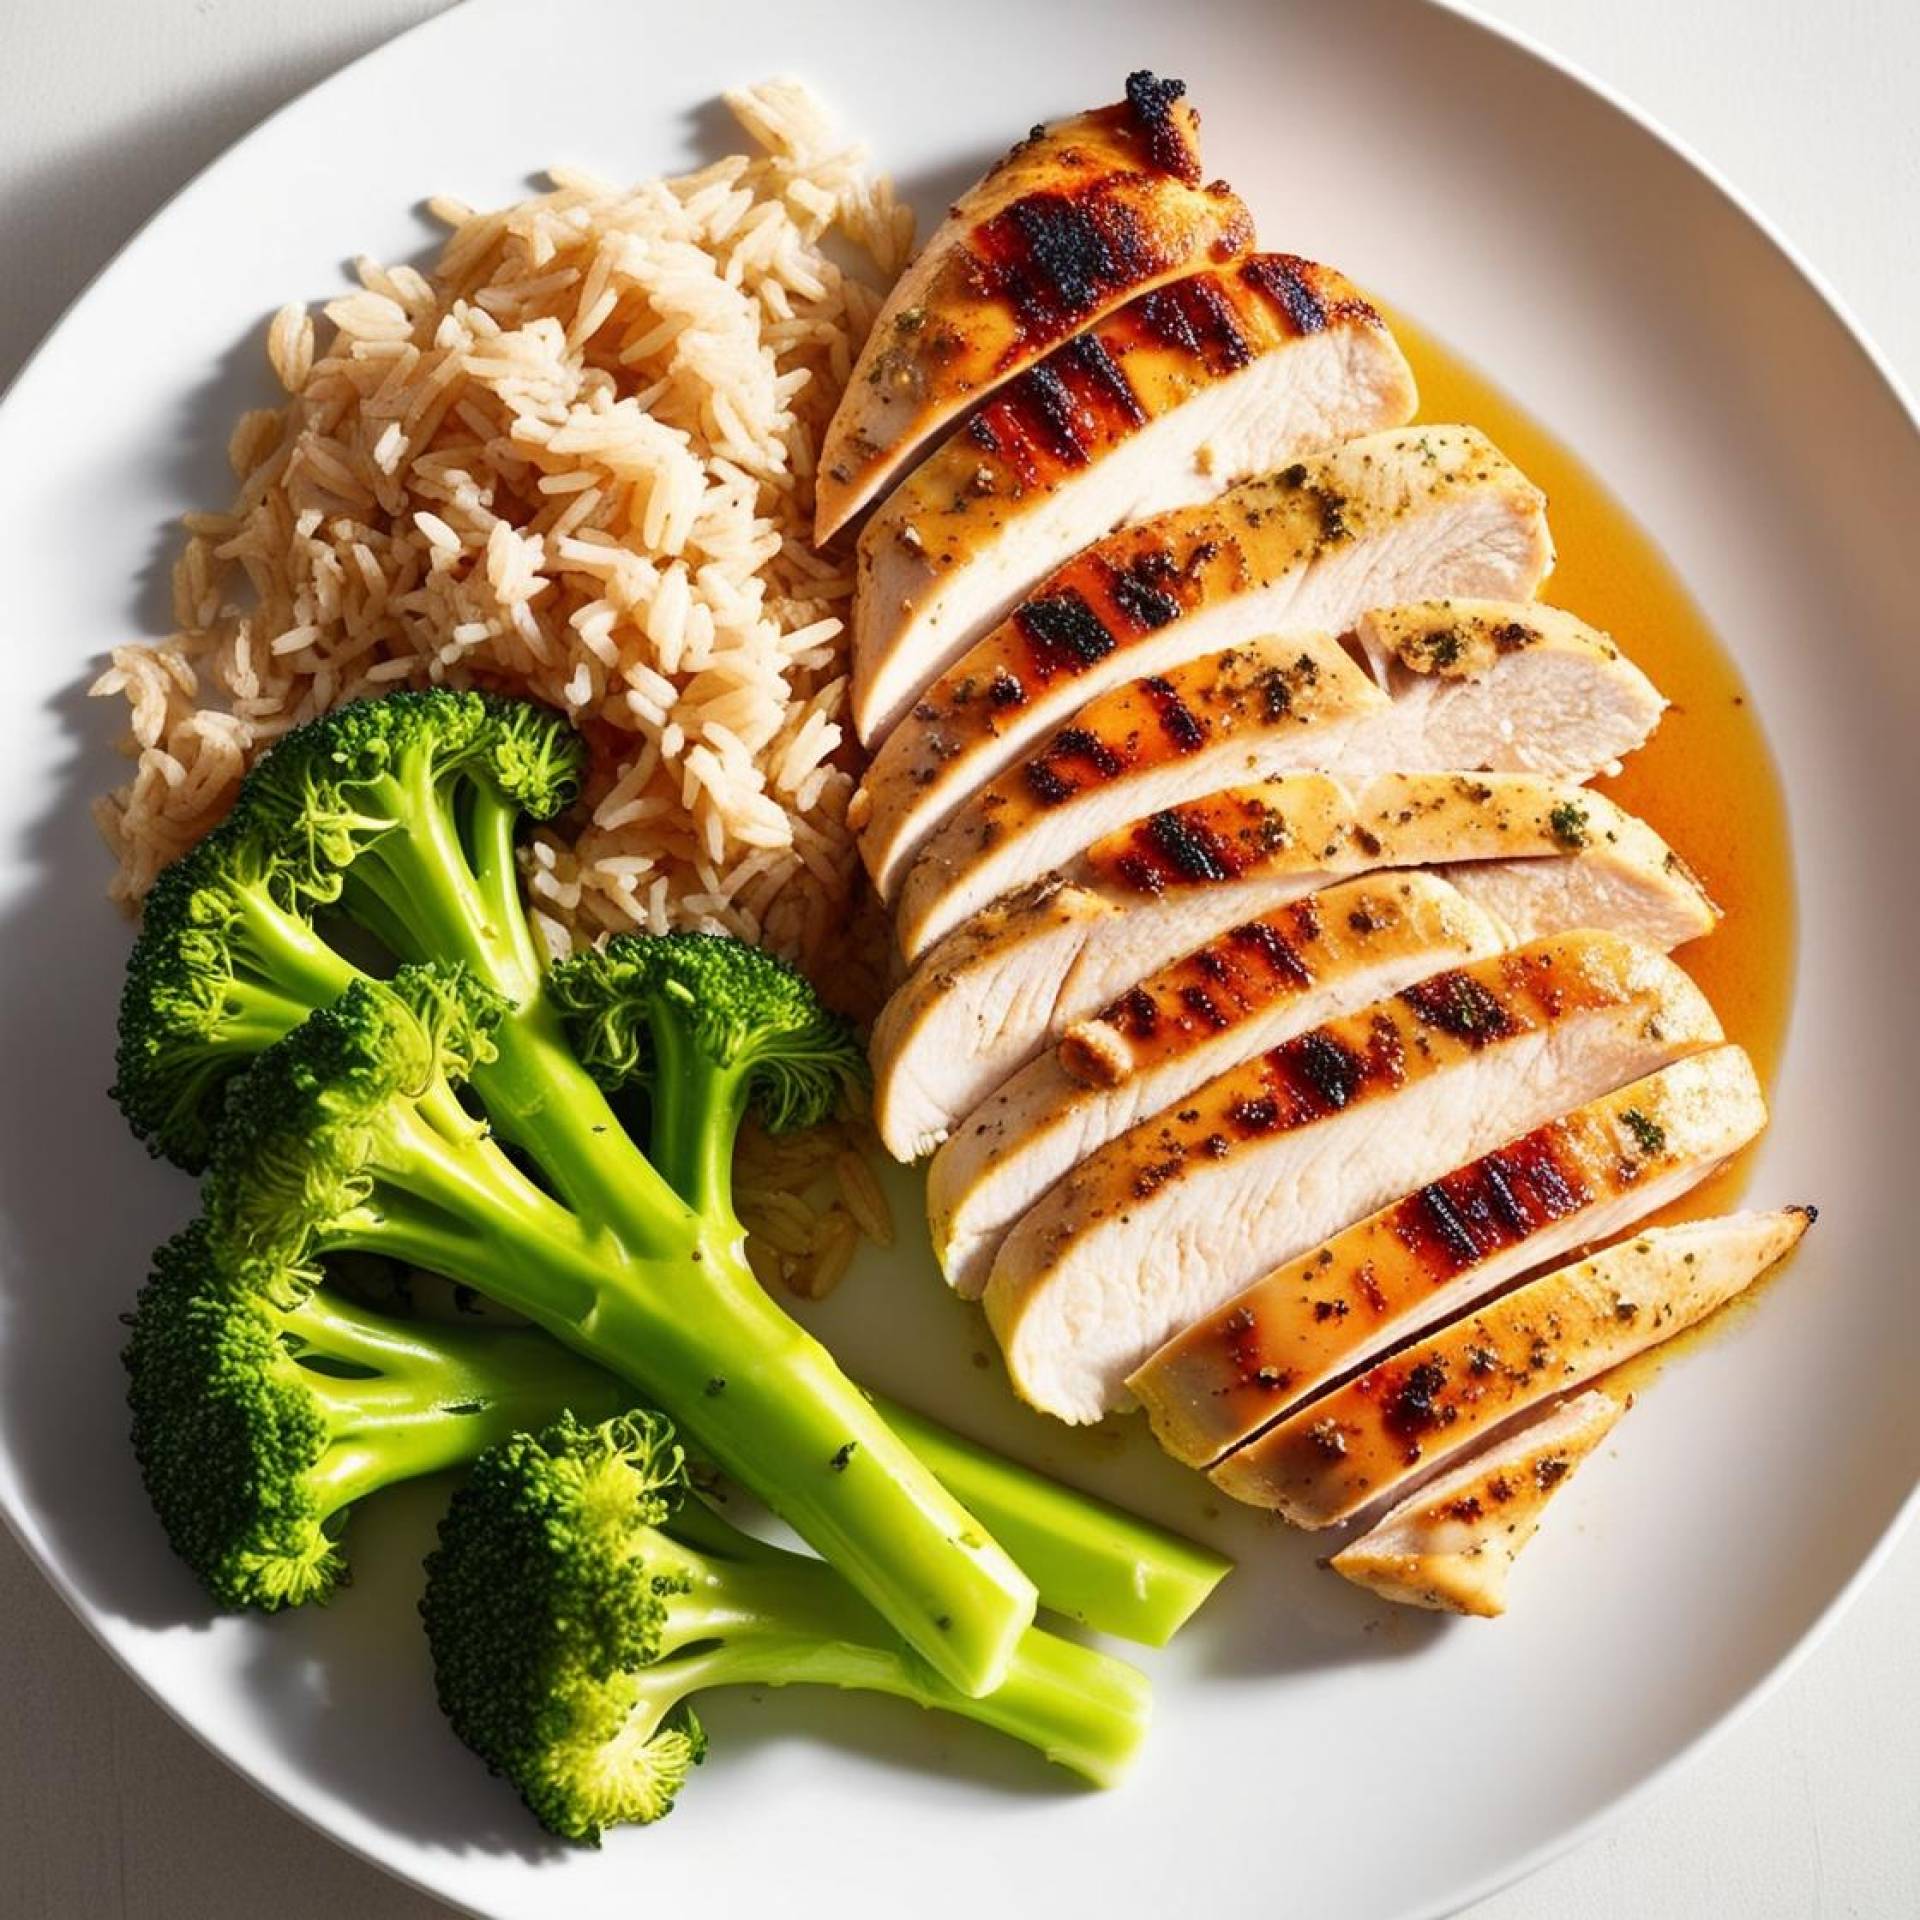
(1282, 277)
(1095, 608)
(1142, 592)
(1150, 101)
(1170, 846)
(1209, 842)
(1241, 967)
(1318, 1074)
(1071, 761)
(1277, 954)
(1063, 635)
(1460, 1006)
(1494, 1203)
(1049, 413)
(1102, 375)
(1182, 728)
(1056, 257)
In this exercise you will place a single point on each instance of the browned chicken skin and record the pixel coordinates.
(1078, 218)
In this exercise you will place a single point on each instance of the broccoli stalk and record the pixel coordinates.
(579, 1599)
(258, 1426)
(350, 1135)
(1093, 1562)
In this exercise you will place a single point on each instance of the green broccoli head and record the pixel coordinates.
(228, 959)
(264, 1409)
(548, 1606)
(580, 1598)
(306, 1128)
(329, 787)
(229, 1431)
(739, 1008)
(225, 964)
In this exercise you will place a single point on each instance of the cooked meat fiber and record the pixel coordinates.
(986, 999)
(1560, 701)
(1421, 1408)
(1572, 1182)
(1177, 1215)
(1450, 1545)
(1165, 403)
(1077, 219)
(1399, 516)
(1255, 986)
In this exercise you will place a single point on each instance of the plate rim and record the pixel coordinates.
(1611, 1810)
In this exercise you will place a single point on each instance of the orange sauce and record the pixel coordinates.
(1706, 779)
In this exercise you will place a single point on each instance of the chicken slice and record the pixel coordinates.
(1079, 217)
(1539, 855)
(1559, 700)
(1575, 1181)
(1426, 1404)
(1398, 516)
(1255, 986)
(1165, 403)
(1450, 1545)
(1172, 1219)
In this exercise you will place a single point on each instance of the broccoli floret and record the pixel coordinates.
(352, 1134)
(397, 815)
(709, 1028)
(257, 1425)
(580, 1598)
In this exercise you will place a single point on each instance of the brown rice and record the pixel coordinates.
(575, 461)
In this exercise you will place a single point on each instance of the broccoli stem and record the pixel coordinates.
(428, 899)
(403, 1399)
(1094, 1562)
(696, 1110)
(755, 1615)
(754, 1391)
(298, 971)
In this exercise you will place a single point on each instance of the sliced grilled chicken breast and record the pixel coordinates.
(1165, 403)
(1450, 1545)
(1078, 218)
(1422, 1407)
(1391, 517)
(1173, 1218)
(1255, 986)
(1540, 855)
(1575, 1181)
(1563, 702)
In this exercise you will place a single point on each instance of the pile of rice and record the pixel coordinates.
(574, 462)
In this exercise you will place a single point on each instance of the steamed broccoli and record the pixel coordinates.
(395, 814)
(258, 1424)
(353, 1133)
(579, 1598)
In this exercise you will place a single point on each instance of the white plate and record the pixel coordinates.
(1315, 1754)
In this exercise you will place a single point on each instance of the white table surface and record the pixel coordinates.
(1806, 1808)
